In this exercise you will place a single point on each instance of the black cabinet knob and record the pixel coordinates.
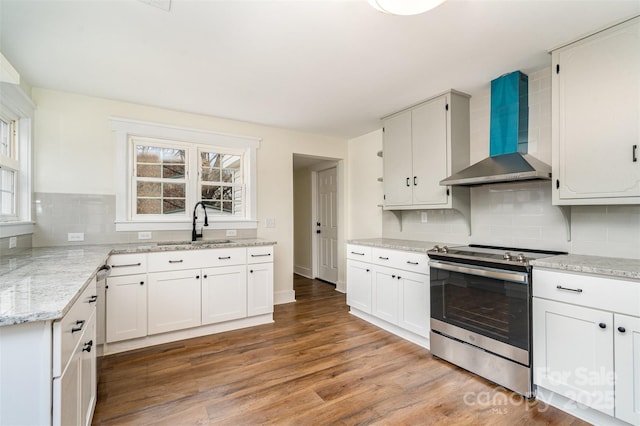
(141, 282)
(251, 271)
(622, 329)
(602, 325)
(204, 276)
(197, 277)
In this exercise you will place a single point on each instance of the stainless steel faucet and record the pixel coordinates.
(194, 233)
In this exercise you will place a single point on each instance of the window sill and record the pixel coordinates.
(12, 229)
(182, 226)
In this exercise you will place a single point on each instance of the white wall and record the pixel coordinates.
(74, 154)
(513, 214)
(365, 192)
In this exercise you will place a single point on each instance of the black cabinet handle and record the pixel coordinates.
(79, 323)
(415, 181)
(197, 277)
(575, 290)
(602, 325)
(224, 257)
(368, 270)
(141, 282)
(408, 182)
(557, 183)
(393, 276)
(622, 329)
(383, 258)
(399, 277)
(176, 261)
(93, 299)
(359, 254)
(412, 263)
(635, 153)
(251, 271)
(204, 276)
(126, 266)
(88, 346)
(268, 254)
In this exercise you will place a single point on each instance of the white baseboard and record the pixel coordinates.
(391, 328)
(575, 409)
(305, 272)
(174, 336)
(282, 297)
(341, 286)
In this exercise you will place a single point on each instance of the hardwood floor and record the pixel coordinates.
(316, 365)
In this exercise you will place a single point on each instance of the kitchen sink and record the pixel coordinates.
(187, 243)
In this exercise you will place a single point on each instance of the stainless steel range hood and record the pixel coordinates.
(508, 161)
(501, 168)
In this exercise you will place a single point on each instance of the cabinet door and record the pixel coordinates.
(260, 289)
(126, 307)
(414, 313)
(174, 301)
(66, 393)
(397, 154)
(88, 372)
(385, 294)
(596, 93)
(430, 162)
(627, 358)
(359, 278)
(573, 352)
(224, 293)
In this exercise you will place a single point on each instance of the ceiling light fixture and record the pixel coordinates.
(405, 7)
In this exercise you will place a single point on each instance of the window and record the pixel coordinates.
(163, 171)
(16, 113)
(9, 168)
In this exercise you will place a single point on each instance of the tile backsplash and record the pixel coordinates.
(94, 215)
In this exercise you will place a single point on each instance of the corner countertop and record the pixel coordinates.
(393, 244)
(609, 266)
(41, 284)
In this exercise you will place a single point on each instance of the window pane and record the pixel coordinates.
(147, 154)
(173, 190)
(227, 193)
(227, 207)
(145, 170)
(173, 171)
(211, 175)
(149, 189)
(7, 193)
(173, 206)
(228, 175)
(231, 161)
(210, 159)
(175, 156)
(149, 206)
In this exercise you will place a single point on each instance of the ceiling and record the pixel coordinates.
(317, 66)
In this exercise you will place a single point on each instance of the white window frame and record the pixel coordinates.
(126, 128)
(16, 105)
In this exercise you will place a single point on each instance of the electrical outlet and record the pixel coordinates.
(423, 217)
(144, 235)
(13, 242)
(271, 222)
(75, 236)
(232, 233)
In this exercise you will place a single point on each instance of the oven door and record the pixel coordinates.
(485, 307)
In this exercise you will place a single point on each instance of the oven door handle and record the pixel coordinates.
(482, 272)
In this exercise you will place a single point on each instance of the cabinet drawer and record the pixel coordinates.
(596, 292)
(68, 330)
(127, 264)
(405, 260)
(174, 260)
(224, 257)
(362, 253)
(260, 254)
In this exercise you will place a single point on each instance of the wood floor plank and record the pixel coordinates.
(315, 365)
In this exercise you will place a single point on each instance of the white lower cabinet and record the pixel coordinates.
(627, 362)
(359, 285)
(586, 341)
(173, 301)
(224, 293)
(392, 286)
(126, 307)
(260, 288)
(179, 291)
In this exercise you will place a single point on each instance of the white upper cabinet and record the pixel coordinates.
(595, 118)
(423, 145)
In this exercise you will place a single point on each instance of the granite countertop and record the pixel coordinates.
(406, 245)
(609, 266)
(41, 284)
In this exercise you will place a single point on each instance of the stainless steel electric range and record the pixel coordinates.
(481, 311)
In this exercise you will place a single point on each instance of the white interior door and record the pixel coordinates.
(327, 225)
